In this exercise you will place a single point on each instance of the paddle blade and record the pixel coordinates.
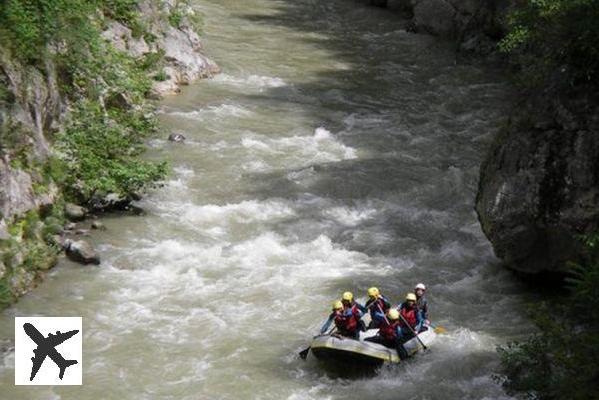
(439, 330)
(304, 353)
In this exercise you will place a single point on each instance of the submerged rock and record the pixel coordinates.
(539, 189)
(109, 202)
(176, 137)
(97, 225)
(74, 212)
(82, 252)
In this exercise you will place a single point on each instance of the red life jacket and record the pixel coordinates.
(348, 323)
(409, 314)
(388, 331)
(355, 311)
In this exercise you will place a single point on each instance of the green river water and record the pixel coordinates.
(335, 151)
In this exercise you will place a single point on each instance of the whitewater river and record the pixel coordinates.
(336, 151)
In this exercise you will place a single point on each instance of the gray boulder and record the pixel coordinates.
(82, 252)
(97, 225)
(539, 189)
(74, 212)
(176, 137)
(4, 235)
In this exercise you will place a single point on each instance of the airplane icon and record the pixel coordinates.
(46, 347)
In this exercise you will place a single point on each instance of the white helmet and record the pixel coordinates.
(420, 286)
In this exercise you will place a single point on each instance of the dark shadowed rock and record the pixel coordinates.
(82, 252)
(176, 137)
(539, 188)
(74, 212)
(109, 202)
(434, 16)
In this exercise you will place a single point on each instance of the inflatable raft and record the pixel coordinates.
(342, 350)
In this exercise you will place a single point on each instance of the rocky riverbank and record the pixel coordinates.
(57, 94)
(539, 184)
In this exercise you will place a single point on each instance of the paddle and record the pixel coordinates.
(439, 329)
(304, 353)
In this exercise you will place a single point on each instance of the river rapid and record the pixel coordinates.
(335, 152)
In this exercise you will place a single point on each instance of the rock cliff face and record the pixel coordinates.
(181, 45)
(539, 185)
(475, 24)
(33, 108)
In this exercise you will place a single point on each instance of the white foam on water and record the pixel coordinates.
(303, 176)
(349, 216)
(220, 111)
(262, 267)
(251, 81)
(298, 151)
(256, 166)
(356, 120)
(9, 360)
(249, 211)
(183, 170)
(464, 340)
(180, 181)
(455, 251)
(250, 143)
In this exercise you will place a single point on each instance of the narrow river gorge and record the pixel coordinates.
(334, 152)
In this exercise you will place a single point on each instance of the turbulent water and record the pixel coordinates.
(336, 151)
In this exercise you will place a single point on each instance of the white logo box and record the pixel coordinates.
(69, 349)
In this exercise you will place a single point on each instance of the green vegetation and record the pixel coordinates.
(99, 150)
(99, 147)
(184, 9)
(555, 43)
(560, 362)
(6, 296)
(29, 251)
(116, 167)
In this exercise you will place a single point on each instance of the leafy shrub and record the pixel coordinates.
(102, 155)
(6, 296)
(28, 26)
(161, 76)
(175, 17)
(555, 40)
(100, 147)
(560, 362)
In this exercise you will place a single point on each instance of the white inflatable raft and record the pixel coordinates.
(339, 349)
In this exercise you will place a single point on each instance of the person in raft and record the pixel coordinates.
(390, 334)
(410, 317)
(421, 302)
(377, 305)
(346, 321)
(350, 305)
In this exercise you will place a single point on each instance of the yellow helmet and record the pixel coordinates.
(348, 296)
(393, 314)
(373, 292)
(411, 297)
(337, 305)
